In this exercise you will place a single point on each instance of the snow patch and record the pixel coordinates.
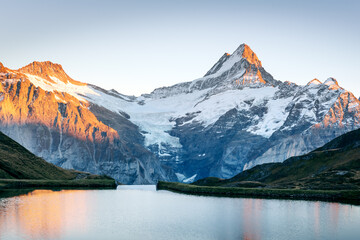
(217, 105)
(353, 104)
(60, 86)
(273, 119)
(180, 176)
(228, 64)
(190, 179)
(155, 117)
(331, 82)
(314, 82)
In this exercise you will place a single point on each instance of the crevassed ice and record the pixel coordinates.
(273, 119)
(155, 117)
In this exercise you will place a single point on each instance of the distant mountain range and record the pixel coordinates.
(236, 117)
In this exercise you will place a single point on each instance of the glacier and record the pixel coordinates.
(233, 118)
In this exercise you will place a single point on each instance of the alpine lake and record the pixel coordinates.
(141, 212)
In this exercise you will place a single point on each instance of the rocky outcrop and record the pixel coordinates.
(233, 118)
(61, 129)
(238, 116)
(48, 70)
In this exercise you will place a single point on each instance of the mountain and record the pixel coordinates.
(238, 116)
(45, 111)
(18, 163)
(336, 165)
(235, 117)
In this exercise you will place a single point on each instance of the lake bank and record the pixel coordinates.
(49, 184)
(343, 196)
(141, 212)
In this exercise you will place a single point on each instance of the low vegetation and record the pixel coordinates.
(345, 196)
(79, 183)
(330, 173)
(20, 169)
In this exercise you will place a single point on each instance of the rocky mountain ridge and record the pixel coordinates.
(235, 117)
(334, 166)
(45, 116)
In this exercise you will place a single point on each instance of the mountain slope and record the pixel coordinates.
(238, 116)
(235, 117)
(18, 163)
(336, 165)
(50, 117)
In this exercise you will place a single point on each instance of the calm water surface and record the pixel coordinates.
(139, 212)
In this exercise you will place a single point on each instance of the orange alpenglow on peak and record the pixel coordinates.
(249, 55)
(315, 81)
(331, 81)
(47, 70)
(3, 69)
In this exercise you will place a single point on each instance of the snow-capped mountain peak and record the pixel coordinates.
(233, 118)
(243, 65)
(231, 71)
(3, 69)
(331, 81)
(51, 77)
(219, 64)
(46, 70)
(245, 51)
(314, 82)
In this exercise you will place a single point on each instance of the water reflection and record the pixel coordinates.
(44, 213)
(139, 214)
(317, 218)
(334, 211)
(251, 219)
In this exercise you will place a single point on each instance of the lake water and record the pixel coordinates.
(139, 212)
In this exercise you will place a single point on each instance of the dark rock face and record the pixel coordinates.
(61, 129)
(292, 120)
(227, 147)
(235, 117)
(335, 166)
(218, 150)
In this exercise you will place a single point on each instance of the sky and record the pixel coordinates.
(137, 46)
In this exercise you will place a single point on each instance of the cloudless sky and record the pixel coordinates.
(136, 46)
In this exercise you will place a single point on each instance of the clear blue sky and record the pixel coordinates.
(136, 46)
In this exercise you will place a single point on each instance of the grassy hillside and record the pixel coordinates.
(335, 166)
(20, 168)
(18, 163)
(345, 196)
(330, 173)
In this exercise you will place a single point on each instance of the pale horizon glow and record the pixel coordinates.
(135, 47)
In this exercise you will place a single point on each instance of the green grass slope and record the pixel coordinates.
(20, 168)
(16, 162)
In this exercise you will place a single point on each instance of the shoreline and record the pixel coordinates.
(17, 184)
(341, 196)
